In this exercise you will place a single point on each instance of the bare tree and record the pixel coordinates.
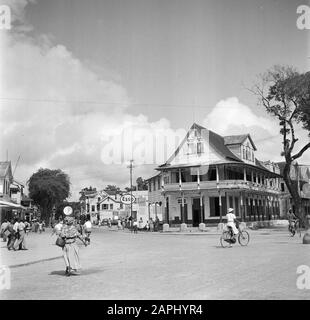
(285, 94)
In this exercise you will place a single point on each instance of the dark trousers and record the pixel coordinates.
(11, 241)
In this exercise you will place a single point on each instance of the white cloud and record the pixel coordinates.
(231, 117)
(55, 111)
(58, 113)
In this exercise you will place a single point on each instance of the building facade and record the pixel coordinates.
(208, 173)
(301, 175)
(13, 202)
(104, 204)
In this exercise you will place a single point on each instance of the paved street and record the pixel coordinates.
(121, 265)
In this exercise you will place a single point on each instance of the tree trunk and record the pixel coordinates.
(297, 201)
(46, 213)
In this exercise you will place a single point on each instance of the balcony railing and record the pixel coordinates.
(222, 184)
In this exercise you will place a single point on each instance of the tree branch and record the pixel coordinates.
(300, 153)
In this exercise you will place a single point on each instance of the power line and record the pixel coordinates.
(110, 103)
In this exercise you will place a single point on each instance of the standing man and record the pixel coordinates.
(135, 226)
(20, 244)
(87, 230)
(11, 236)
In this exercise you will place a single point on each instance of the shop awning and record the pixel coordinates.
(8, 204)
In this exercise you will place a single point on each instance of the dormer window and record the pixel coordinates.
(194, 146)
(200, 147)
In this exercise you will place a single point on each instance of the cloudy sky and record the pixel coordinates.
(76, 73)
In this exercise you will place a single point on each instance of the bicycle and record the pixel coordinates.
(294, 227)
(228, 238)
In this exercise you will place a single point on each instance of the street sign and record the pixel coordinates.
(128, 198)
(67, 210)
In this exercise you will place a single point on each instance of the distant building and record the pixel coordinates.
(208, 173)
(301, 175)
(13, 201)
(104, 204)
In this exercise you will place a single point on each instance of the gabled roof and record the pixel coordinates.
(216, 141)
(219, 143)
(109, 197)
(238, 139)
(5, 169)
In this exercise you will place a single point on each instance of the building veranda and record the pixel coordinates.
(208, 173)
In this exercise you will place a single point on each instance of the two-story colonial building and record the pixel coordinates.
(208, 173)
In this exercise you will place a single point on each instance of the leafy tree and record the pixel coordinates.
(112, 188)
(48, 188)
(128, 189)
(285, 94)
(141, 184)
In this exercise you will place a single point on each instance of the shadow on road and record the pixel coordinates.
(84, 272)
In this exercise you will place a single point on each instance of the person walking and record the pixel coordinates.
(11, 235)
(87, 230)
(20, 243)
(135, 226)
(3, 227)
(40, 227)
(141, 224)
(147, 226)
(151, 225)
(57, 228)
(27, 227)
(70, 250)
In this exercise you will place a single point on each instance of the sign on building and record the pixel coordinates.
(127, 199)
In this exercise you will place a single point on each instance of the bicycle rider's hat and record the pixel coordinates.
(230, 210)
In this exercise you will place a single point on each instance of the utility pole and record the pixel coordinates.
(130, 167)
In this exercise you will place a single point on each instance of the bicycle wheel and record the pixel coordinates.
(225, 239)
(243, 238)
(291, 231)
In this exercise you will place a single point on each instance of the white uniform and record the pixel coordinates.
(230, 222)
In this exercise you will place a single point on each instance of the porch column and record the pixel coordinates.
(241, 207)
(244, 174)
(217, 174)
(164, 205)
(252, 176)
(198, 178)
(162, 182)
(180, 180)
(220, 205)
(254, 207)
(201, 209)
(182, 210)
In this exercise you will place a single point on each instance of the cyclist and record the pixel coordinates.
(292, 219)
(231, 218)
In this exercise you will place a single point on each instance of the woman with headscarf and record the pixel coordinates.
(70, 250)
